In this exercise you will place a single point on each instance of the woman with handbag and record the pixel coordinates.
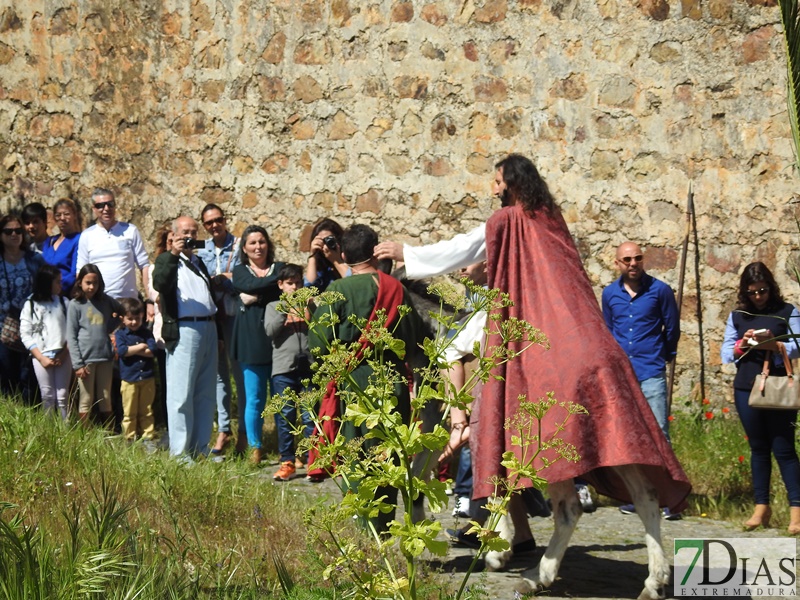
(17, 268)
(762, 315)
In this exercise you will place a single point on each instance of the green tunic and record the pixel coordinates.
(361, 292)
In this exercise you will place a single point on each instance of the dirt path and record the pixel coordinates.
(606, 560)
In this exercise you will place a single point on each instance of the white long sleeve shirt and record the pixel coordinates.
(43, 325)
(446, 256)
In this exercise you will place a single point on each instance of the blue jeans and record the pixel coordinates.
(287, 417)
(655, 390)
(226, 366)
(256, 378)
(463, 482)
(770, 432)
(191, 393)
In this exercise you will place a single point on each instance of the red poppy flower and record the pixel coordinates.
(741, 459)
(706, 401)
(671, 418)
(726, 410)
(709, 415)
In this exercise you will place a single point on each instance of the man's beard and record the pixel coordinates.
(505, 199)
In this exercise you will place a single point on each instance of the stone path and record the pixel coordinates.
(606, 560)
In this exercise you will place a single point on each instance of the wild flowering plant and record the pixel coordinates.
(386, 468)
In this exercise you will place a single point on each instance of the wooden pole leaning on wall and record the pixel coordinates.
(701, 341)
(681, 280)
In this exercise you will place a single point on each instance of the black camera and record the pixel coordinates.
(330, 242)
(192, 244)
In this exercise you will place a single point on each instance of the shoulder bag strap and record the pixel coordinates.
(233, 251)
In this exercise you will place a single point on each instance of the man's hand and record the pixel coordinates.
(391, 250)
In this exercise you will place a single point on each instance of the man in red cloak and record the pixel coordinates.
(532, 257)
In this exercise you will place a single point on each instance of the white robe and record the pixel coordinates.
(446, 256)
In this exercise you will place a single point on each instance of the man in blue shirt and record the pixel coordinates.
(642, 315)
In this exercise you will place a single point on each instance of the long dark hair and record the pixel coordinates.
(326, 224)
(524, 184)
(758, 272)
(42, 286)
(88, 269)
(249, 230)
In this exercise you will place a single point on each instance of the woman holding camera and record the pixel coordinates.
(325, 262)
(255, 279)
(760, 316)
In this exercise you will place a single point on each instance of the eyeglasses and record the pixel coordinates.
(217, 221)
(758, 292)
(13, 230)
(629, 259)
(102, 205)
(62, 215)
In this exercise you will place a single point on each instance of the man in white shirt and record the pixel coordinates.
(115, 247)
(190, 334)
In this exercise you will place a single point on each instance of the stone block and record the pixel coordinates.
(572, 87)
(273, 53)
(311, 12)
(397, 50)
(756, 44)
(307, 89)
(216, 195)
(692, 9)
(190, 124)
(201, 17)
(378, 127)
(304, 161)
(489, 89)
(212, 90)
(397, 164)
(647, 166)
(340, 12)
(171, 23)
(341, 127)
(411, 125)
(312, 52)
(63, 21)
(470, 51)
(271, 89)
(442, 128)
(249, 200)
(658, 10)
(340, 161)
(6, 53)
(720, 9)
(480, 126)
(407, 86)
(617, 91)
(277, 163)
(604, 164)
(76, 163)
(660, 258)
(479, 164)
(431, 52)
(369, 202)
(492, 11)
(509, 122)
(9, 21)
(723, 258)
(501, 50)
(402, 12)
(608, 9)
(436, 166)
(374, 87)
(664, 52)
(434, 14)
(242, 164)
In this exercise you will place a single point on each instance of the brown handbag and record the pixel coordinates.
(775, 393)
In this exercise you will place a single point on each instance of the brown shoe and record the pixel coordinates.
(257, 456)
(286, 472)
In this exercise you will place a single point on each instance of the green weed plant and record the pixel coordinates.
(384, 563)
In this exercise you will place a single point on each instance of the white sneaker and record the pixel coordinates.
(585, 497)
(461, 508)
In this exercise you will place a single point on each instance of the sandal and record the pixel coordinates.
(223, 439)
(450, 450)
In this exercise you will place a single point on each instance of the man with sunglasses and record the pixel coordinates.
(642, 315)
(220, 255)
(115, 247)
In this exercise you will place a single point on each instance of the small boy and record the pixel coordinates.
(136, 347)
(291, 363)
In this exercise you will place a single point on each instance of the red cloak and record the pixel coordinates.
(535, 260)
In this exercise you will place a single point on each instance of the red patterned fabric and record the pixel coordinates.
(536, 262)
(390, 296)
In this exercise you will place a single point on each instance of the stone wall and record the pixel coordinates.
(394, 112)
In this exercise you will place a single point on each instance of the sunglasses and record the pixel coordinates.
(102, 205)
(629, 259)
(13, 230)
(758, 292)
(217, 221)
